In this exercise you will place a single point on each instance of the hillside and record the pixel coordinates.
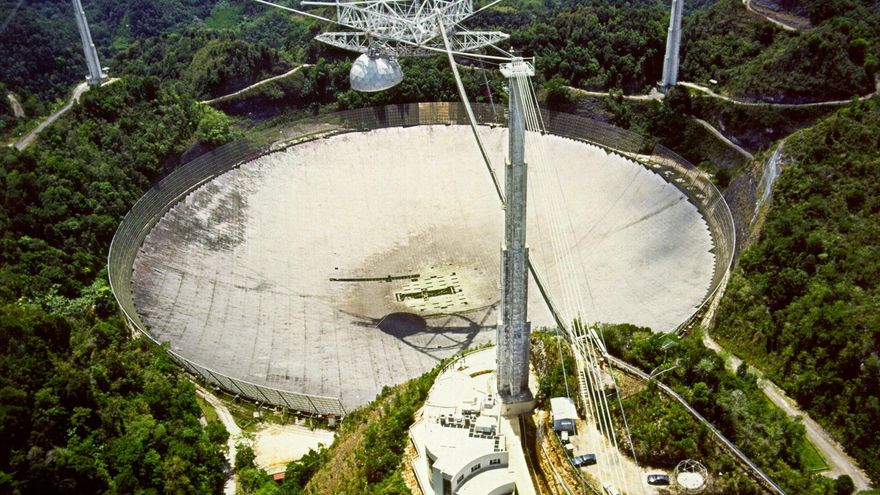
(366, 456)
(756, 60)
(85, 408)
(804, 303)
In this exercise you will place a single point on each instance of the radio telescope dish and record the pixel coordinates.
(374, 73)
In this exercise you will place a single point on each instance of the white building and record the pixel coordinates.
(462, 438)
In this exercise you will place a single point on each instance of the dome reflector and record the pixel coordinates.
(371, 74)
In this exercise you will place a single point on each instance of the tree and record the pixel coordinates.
(844, 485)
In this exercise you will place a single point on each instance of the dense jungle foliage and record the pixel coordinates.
(751, 58)
(592, 45)
(84, 407)
(731, 402)
(804, 304)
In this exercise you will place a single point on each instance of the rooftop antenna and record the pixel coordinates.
(384, 30)
(673, 45)
(96, 76)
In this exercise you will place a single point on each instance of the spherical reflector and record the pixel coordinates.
(371, 74)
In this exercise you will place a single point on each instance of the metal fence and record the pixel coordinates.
(698, 187)
(160, 198)
(127, 242)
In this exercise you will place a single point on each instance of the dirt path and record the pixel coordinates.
(748, 4)
(234, 434)
(830, 103)
(255, 85)
(838, 461)
(17, 110)
(715, 132)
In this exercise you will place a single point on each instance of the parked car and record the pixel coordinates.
(658, 479)
(583, 460)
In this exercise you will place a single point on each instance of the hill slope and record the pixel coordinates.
(804, 304)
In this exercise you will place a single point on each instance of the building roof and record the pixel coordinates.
(563, 408)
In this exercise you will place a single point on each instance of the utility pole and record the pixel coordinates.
(673, 45)
(514, 328)
(96, 75)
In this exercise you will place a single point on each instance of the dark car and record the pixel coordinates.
(583, 460)
(658, 479)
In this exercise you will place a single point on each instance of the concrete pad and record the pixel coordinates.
(345, 264)
(275, 446)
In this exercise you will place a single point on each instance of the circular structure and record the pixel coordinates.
(345, 264)
(691, 476)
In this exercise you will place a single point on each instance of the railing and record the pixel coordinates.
(700, 190)
(160, 198)
(131, 234)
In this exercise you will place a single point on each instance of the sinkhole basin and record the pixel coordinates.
(341, 265)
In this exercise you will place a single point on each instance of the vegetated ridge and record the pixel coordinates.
(804, 303)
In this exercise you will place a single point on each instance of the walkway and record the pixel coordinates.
(657, 95)
(830, 103)
(838, 461)
(17, 110)
(748, 4)
(234, 434)
(715, 132)
(255, 85)
(653, 95)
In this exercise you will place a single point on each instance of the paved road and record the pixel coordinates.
(748, 4)
(16, 106)
(234, 434)
(29, 138)
(254, 85)
(838, 461)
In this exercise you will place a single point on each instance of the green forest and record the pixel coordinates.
(804, 303)
(731, 402)
(87, 408)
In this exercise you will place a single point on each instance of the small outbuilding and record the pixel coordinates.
(564, 415)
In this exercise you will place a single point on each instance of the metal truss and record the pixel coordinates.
(399, 28)
(462, 41)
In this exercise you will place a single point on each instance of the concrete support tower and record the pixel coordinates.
(96, 75)
(514, 328)
(673, 45)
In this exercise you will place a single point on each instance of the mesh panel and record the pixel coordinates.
(160, 198)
